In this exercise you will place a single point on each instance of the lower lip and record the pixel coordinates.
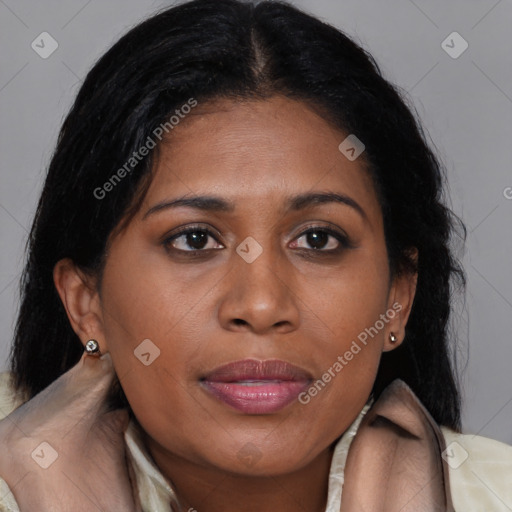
(264, 398)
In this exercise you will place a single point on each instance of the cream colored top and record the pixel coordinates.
(480, 469)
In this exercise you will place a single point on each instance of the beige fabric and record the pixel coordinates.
(480, 469)
(7, 501)
(8, 403)
(480, 472)
(395, 462)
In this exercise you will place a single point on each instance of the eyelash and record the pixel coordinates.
(343, 240)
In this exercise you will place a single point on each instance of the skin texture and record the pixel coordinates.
(295, 303)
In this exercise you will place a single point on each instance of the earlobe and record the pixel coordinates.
(401, 299)
(80, 298)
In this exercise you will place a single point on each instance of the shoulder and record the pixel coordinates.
(8, 398)
(8, 402)
(7, 501)
(480, 472)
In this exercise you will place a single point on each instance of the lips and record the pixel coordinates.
(257, 387)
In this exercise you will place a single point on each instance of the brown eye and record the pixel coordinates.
(317, 239)
(193, 240)
(320, 240)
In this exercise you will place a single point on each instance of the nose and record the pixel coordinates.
(260, 297)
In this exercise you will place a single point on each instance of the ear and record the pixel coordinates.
(401, 297)
(79, 295)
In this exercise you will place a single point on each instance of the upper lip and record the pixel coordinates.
(253, 369)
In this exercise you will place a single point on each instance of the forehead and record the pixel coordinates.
(256, 150)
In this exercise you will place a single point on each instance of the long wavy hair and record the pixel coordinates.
(210, 49)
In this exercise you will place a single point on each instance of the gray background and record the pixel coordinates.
(464, 103)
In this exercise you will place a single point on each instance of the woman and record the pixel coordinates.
(243, 220)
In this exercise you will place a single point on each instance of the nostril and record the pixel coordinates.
(239, 321)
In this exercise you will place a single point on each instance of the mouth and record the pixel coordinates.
(257, 387)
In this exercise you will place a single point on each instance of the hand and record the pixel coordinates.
(90, 471)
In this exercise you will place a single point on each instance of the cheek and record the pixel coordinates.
(352, 304)
(147, 298)
(154, 319)
(351, 298)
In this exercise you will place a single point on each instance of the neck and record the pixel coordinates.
(204, 489)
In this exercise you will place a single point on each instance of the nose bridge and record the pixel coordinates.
(262, 277)
(260, 294)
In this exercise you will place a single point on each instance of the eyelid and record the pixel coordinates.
(172, 235)
(191, 227)
(320, 224)
(330, 229)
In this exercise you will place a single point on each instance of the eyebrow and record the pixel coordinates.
(294, 203)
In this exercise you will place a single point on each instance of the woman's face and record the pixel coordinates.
(249, 283)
